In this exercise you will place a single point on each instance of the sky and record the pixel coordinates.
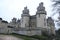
(13, 8)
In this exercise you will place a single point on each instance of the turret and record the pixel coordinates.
(14, 20)
(0, 20)
(41, 16)
(25, 18)
(51, 25)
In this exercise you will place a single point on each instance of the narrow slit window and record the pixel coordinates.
(39, 15)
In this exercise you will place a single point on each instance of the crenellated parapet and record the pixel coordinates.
(41, 9)
(25, 12)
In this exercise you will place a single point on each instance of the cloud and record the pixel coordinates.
(13, 8)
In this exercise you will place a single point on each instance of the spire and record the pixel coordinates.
(25, 11)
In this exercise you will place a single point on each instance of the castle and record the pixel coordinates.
(29, 25)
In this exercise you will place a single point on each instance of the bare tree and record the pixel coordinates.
(56, 9)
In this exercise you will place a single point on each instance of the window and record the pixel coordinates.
(44, 24)
(25, 25)
(44, 19)
(22, 20)
(10, 26)
(39, 15)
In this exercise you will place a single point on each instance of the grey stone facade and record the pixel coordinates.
(29, 25)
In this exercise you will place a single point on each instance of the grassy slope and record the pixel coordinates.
(25, 37)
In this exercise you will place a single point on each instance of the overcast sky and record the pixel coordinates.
(13, 8)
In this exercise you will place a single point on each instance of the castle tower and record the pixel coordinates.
(0, 20)
(51, 25)
(25, 18)
(41, 16)
(14, 20)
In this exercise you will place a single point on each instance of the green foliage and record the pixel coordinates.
(57, 34)
(25, 37)
(41, 37)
